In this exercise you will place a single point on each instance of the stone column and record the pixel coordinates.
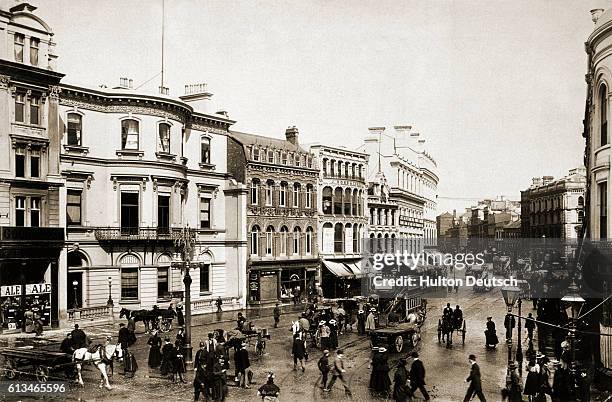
(53, 130)
(5, 125)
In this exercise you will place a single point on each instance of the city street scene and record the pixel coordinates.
(305, 200)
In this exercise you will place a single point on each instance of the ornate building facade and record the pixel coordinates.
(342, 217)
(31, 233)
(281, 217)
(554, 208)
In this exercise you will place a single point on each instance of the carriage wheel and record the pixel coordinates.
(10, 369)
(42, 373)
(399, 344)
(463, 333)
(166, 326)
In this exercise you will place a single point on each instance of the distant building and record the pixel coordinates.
(490, 216)
(554, 208)
(444, 222)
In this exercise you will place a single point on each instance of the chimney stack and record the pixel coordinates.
(536, 182)
(291, 134)
(547, 180)
(125, 83)
(198, 97)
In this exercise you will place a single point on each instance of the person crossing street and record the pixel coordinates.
(323, 365)
(338, 372)
(475, 387)
(417, 376)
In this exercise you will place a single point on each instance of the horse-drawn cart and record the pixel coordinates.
(41, 364)
(447, 325)
(398, 338)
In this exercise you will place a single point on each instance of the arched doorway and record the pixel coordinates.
(77, 263)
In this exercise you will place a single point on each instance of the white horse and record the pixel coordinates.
(99, 358)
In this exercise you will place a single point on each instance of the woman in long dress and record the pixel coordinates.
(155, 356)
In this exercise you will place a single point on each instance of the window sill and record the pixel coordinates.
(209, 293)
(76, 149)
(129, 301)
(165, 156)
(206, 166)
(129, 153)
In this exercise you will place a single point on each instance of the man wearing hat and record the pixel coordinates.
(79, 339)
(123, 337)
(371, 321)
(277, 314)
(243, 366)
(338, 373)
(323, 365)
(199, 381)
(168, 357)
(269, 391)
(325, 333)
(530, 326)
(475, 381)
(417, 376)
(401, 392)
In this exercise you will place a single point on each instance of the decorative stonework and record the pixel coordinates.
(54, 92)
(151, 109)
(4, 81)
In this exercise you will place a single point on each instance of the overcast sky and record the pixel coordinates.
(496, 87)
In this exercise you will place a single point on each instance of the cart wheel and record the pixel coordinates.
(399, 344)
(463, 333)
(42, 373)
(10, 369)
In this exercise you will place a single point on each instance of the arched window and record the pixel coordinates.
(356, 244)
(308, 240)
(282, 199)
(324, 167)
(581, 201)
(75, 129)
(338, 201)
(603, 114)
(255, 191)
(269, 240)
(338, 238)
(255, 240)
(296, 240)
(283, 240)
(130, 134)
(308, 196)
(355, 203)
(347, 202)
(327, 201)
(129, 276)
(76, 260)
(163, 138)
(296, 195)
(269, 192)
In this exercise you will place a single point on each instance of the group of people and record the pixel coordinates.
(168, 357)
(405, 381)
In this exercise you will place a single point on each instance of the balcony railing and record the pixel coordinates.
(137, 233)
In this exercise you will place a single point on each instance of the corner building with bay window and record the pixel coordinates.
(281, 217)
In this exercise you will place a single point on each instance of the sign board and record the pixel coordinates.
(10, 291)
(38, 288)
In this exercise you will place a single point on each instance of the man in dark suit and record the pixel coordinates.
(475, 382)
(417, 376)
(79, 339)
(123, 337)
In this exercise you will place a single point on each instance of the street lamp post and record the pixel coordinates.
(573, 302)
(510, 294)
(519, 347)
(110, 302)
(75, 283)
(184, 245)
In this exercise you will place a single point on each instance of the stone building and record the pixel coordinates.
(341, 217)
(554, 208)
(444, 222)
(31, 234)
(281, 217)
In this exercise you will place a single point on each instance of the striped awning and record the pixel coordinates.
(338, 269)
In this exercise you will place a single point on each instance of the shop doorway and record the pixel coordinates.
(75, 290)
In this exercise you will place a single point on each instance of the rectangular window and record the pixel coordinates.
(204, 213)
(20, 108)
(254, 193)
(34, 212)
(268, 243)
(255, 153)
(74, 129)
(269, 194)
(296, 196)
(297, 160)
(73, 207)
(35, 163)
(130, 134)
(162, 283)
(204, 278)
(282, 199)
(129, 213)
(308, 197)
(163, 213)
(20, 209)
(205, 150)
(34, 110)
(603, 210)
(284, 158)
(20, 162)
(129, 283)
(270, 156)
(164, 138)
(34, 43)
(19, 42)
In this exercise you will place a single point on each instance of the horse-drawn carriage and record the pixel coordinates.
(155, 319)
(40, 364)
(447, 324)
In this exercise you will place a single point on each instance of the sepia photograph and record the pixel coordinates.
(306, 200)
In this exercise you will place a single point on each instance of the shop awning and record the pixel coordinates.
(355, 267)
(338, 269)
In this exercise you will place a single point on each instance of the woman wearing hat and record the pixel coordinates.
(298, 350)
(401, 392)
(379, 379)
(168, 357)
(155, 356)
(333, 333)
(371, 321)
(219, 381)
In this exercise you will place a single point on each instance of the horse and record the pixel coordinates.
(445, 328)
(138, 315)
(102, 356)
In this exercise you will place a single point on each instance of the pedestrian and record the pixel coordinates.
(219, 303)
(180, 337)
(325, 333)
(129, 364)
(131, 327)
(269, 391)
(379, 378)
(509, 324)
(123, 337)
(38, 325)
(240, 321)
(219, 381)
(401, 392)
(221, 351)
(79, 339)
(304, 323)
(371, 321)
(180, 317)
(338, 373)
(361, 319)
(341, 318)
(475, 387)
(155, 356)
(298, 350)
(532, 382)
(179, 363)
(447, 312)
(243, 366)
(323, 365)
(66, 346)
(530, 326)
(168, 357)
(200, 380)
(491, 339)
(513, 390)
(562, 389)
(333, 334)
(417, 376)
(277, 314)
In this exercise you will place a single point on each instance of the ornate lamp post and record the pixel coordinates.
(184, 246)
(110, 303)
(573, 302)
(511, 295)
(75, 283)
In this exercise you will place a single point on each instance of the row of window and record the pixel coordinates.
(281, 249)
(283, 192)
(333, 168)
(282, 157)
(20, 48)
(342, 202)
(130, 284)
(543, 205)
(27, 108)
(130, 136)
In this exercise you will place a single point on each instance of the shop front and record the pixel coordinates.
(272, 283)
(341, 278)
(29, 277)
